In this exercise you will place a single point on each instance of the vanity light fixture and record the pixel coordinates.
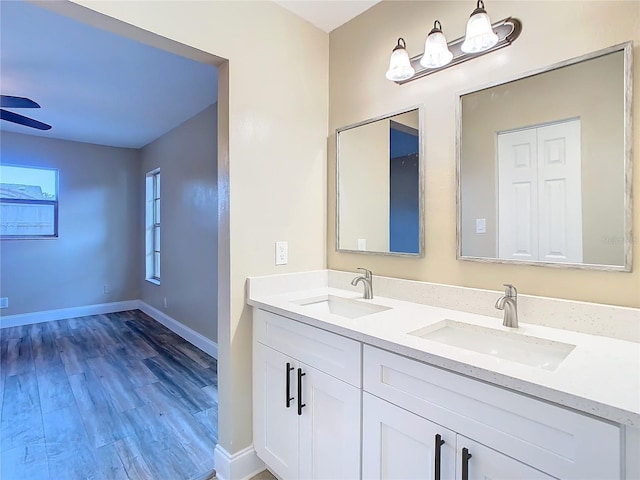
(400, 66)
(480, 35)
(436, 51)
(481, 38)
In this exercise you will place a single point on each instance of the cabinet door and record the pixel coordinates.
(329, 427)
(398, 444)
(487, 464)
(275, 427)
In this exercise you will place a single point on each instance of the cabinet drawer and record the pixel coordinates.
(338, 356)
(553, 439)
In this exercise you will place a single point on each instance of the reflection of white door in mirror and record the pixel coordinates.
(539, 193)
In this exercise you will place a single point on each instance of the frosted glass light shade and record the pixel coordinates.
(436, 51)
(480, 35)
(399, 65)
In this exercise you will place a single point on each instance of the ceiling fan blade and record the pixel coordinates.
(8, 101)
(22, 120)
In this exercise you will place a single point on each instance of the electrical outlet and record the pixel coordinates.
(362, 244)
(4, 302)
(106, 289)
(282, 253)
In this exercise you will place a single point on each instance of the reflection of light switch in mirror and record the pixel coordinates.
(481, 225)
(362, 244)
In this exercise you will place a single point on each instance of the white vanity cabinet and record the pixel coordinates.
(508, 435)
(398, 444)
(306, 403)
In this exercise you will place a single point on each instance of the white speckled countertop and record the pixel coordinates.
(601, 375)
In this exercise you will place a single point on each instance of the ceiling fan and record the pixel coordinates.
(8, 101)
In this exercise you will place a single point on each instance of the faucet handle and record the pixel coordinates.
(367, 273)
(510, 290)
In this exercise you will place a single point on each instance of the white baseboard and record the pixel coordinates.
(63, 313)
(190, 335)
(240, 466)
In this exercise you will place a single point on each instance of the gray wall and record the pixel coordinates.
(187, 158)
(98, 225)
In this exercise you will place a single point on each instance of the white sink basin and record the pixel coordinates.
(344, 307)
(512, 346)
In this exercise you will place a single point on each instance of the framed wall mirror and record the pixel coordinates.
(544, 166)
(379, 186)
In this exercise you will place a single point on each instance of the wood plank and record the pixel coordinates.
(132, 459)
(131, 365)
(26, 462)
(53, 386)
(101, 420)
(162, 398)
(110, 464)
(19, 357)
(116, 384)
(164, 455)
(21, 417)
(70, 456)
(71, 355)
(43, 346)
(191, 436)
(177, 385)
(208, 420)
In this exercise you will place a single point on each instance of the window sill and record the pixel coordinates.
(153, 280)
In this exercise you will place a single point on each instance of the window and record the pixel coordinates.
(28, 202)
(152, 221)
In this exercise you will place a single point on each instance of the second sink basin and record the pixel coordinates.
(516, 347)
(344, 307)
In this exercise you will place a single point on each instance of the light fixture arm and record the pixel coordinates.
(508, 30)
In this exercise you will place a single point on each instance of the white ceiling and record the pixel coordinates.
(98, 87)
(95, 86)
(327, 15)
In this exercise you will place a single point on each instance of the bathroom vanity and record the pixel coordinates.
(383, 388)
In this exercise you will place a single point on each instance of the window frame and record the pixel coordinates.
(153, 224)
(26, 201)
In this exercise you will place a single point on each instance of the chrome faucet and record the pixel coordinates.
(509, 303)
(367, 279)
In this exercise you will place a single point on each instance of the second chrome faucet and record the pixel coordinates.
(367, 280)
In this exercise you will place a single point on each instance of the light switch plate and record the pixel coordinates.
(362, 244)
(481, 225)
(4, 302)
(282, 253)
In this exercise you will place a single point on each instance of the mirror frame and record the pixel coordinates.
(421, 167)
(627, 49)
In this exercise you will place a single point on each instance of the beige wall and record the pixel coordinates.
(591, 91)
(364, 186)
(272, 176)
(552, 32)
(97, 228)
(188, 159)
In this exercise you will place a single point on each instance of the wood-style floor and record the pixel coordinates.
(115, 396)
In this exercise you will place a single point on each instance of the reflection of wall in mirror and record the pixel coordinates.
(592, 91)
(364, 187)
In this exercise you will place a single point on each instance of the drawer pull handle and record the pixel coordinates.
(465, 463)
(300, 404)
(288, 392)
(439, 443)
